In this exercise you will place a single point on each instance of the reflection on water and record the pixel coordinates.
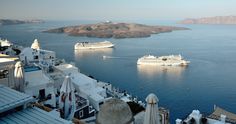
(92, 52)
(202, 45)
(151, 71)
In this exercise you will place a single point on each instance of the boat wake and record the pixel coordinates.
(115, 57)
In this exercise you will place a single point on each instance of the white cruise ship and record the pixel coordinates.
(97, 45)
(171, 60)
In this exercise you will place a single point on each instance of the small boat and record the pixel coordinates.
(96, 45)
(104, 57)
(171, 60)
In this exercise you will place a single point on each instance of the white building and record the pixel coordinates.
(5, 43)
(29, 55)
(37, 83)
(7, 67)
(47, 58)
(6, 47)
(197, 118)
(44, 58)
(86, 86)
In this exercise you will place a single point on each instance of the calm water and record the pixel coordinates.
(209, 79)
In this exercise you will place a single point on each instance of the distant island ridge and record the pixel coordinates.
(15, 22)
(211, 20)
(114, 30)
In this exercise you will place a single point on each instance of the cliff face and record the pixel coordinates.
(211, 20)
(115, 30)
(14, 22)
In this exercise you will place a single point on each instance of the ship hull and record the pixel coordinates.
(164, 64)
(94, 47)
(99, 45)
(162, 61)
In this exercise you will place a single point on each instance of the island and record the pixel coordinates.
(114, 30)
(211, 20)
(14, 22)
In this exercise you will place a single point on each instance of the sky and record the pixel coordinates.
(114, 9)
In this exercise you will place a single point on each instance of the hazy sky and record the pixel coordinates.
(114, 9)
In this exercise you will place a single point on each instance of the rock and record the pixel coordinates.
(115, 30)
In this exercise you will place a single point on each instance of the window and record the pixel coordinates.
(81, 113)
(3, 74)
(42, 94)
(36, 57)
(100, 103)
(49, 96)
(90, 109)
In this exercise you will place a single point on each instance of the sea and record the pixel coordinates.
(210, 78)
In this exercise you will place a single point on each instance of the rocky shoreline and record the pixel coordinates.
(114, 30)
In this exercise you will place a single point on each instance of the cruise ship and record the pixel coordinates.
(96, 45)
(54, 88)
(171, 60)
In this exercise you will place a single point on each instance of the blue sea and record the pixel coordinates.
(209, 80)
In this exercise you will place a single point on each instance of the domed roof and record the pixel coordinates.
(35, 45)
(152, 99)
(114, 111)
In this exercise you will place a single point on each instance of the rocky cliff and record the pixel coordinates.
(115, 30)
